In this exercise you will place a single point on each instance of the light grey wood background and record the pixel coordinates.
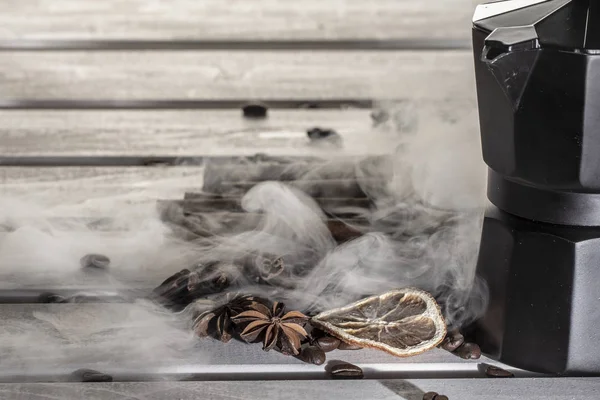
(455, 389)
(234, 19)
(225, 75)
(431, 79)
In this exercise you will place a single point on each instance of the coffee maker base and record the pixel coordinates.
(544, 295)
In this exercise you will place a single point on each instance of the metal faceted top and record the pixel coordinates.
(564, 24)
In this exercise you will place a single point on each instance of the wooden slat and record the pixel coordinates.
(234, 19)
(93, 191)
(203, 204)
(78, 331)
(234, 352)
(191, 133)
(413, 389)
(241, 75)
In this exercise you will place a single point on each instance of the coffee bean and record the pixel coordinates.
(50, 298)
(468, 351)
(255, 110)
(379, 116)
(441, 397)
(328, 343)
(318, 135)
(346, 371)
(89, 375)
(313, 355)
(193, 281)
(430, 396)
(348, 346)
(452, 341)
(495, 372)
(98, 261)
(155, 163)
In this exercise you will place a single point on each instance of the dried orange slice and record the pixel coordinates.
(403, 322)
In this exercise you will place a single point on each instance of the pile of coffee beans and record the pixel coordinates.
(455, 343)
(468, 351)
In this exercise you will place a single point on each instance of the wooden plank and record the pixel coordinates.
(163, 75)
(83, 189)
(397, 389)
(83, 329)
(193, 133)
(202, 203)
(234, 19)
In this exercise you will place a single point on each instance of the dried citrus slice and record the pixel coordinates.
(402, 322)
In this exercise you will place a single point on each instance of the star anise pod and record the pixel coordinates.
(275, 326)
(217, 323)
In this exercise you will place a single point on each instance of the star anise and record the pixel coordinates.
(275, 326)
(218, 322)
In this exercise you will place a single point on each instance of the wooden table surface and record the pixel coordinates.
(430, 87)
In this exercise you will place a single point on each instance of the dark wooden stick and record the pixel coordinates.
(203, 225)
(202, 202)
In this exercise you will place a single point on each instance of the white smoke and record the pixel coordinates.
(429, 193)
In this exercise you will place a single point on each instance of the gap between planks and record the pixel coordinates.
(416, 44)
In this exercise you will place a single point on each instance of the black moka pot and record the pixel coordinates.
(537, 66)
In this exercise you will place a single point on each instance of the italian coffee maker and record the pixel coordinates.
(537, 67)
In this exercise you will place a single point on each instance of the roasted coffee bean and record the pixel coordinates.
(468, 351)
(348, 346)
(452, 341)
(89, 375)
(98, 261)
(430, 396)
(50, 298)
(311, 106)
(182, 288)
(495, 372)
(149, 162)
(379, 116)
(328, 343)
(441, 397)
(313, 355)
(255, 110)
(318, 133)
(346, 371)
(193, 281)
(172, 279)
(324, 135)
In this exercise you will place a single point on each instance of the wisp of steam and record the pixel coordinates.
(424, 232)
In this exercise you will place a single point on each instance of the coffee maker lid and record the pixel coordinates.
(572, 25)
